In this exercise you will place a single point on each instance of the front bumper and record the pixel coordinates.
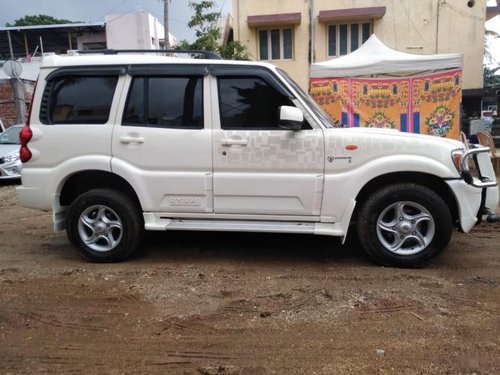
(478, 189)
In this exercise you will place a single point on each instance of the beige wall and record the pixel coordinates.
(413, 26)
(298, 68)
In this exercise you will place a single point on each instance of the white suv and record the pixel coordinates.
(122, 143)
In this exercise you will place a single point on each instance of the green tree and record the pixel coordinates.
(490, 79)
(490, 65)
(40, 19)
(233, 50)
(208, 35)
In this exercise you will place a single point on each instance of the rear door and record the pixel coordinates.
(74, 124)
(163, 146)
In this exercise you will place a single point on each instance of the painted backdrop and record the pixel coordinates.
(425, 104)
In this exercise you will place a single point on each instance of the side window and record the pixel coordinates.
(249, 103)
(134, 110)
(78, 100)
(165, 102)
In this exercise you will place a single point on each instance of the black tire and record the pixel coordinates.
(407, 215)
(105, 225)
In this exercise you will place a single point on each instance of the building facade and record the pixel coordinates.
(140, 30)
(295, 33)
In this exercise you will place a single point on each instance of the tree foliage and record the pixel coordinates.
(490, 64)
(233, 50)
(40, 19)
(208, 36)
(490, 79)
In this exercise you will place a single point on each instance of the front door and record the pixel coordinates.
(260, 168)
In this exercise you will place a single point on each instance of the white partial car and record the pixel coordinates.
(121, 143)
(10, 163)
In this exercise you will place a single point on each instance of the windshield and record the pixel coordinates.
(317, 110)
(10, 136)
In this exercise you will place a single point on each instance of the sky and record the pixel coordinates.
(95, 10)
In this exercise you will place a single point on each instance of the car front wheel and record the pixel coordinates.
(404, 225)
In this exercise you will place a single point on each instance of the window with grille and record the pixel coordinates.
(344, 38)
(275, 44)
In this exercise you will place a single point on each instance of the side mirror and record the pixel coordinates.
(291, 118)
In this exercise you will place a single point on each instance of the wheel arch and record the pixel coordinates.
(437, 184)
(84, 181)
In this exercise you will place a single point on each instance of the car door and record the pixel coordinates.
(163, 146)
(75, 118)
(260, 168)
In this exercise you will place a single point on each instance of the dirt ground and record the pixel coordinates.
(216, 303)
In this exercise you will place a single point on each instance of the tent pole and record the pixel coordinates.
(70, 44)
(26, 47)
(10, 45)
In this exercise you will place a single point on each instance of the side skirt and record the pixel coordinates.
(158, 223)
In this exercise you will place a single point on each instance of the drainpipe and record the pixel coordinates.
(312, 32)
(437, 22)
(312, 47)
(238, 37)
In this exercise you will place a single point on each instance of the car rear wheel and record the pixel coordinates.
(105, 225)
(404, 225)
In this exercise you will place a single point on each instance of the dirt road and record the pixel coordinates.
(214, 303)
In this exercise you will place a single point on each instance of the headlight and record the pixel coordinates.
(456, 157)
(11, 157)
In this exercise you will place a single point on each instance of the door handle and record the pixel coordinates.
(127, 139)
(236, 142)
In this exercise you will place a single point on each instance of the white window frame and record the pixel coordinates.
(337, 35)
(281, 41)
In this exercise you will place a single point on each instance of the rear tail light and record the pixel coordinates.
(26, 134)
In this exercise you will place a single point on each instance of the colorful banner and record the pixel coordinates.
(425, 104)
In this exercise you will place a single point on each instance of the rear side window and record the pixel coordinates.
(165, 102)
(78, 100)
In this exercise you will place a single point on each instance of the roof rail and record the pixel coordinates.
(205, 53)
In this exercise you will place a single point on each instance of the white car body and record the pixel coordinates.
(303, 181)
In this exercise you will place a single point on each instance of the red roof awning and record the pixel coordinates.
(281, 19)
(351, 13)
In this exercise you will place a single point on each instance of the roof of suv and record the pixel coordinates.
(55, 61)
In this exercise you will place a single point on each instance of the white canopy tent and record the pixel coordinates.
(374, 57)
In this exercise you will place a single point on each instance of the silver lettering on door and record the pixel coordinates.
(185, 201)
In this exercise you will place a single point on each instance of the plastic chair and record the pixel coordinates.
(486, 140)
